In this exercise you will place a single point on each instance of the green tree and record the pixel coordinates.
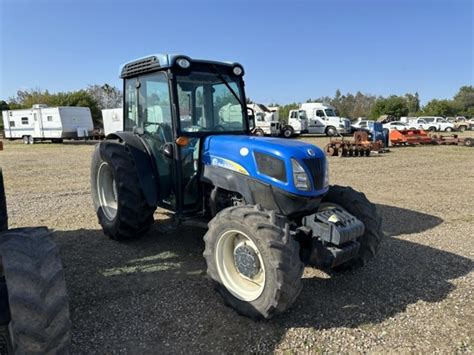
(441, 108)
(393, 105)
(464, 100)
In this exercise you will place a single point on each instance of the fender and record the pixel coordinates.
(143, 159)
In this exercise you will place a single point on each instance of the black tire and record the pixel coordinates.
(133, 215)
(448, 129)
(357, 204)
(26, 140)
(3, 206)
(432, 129)
(331, 131)
(278, 249)
(259, 132)
(37, 295)
(31, 140)
(288, 132)
(462, 128)
(469, 142)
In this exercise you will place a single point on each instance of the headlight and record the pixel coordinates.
(271, 166)
(300, 177)
(183, 63)
(326, 175)
(237, 70)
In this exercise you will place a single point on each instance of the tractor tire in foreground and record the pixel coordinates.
(357, 204)
(3, 206)
(37, 297)
(118, 200)
(253, 261)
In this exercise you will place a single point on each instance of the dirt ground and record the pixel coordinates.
(152, 295)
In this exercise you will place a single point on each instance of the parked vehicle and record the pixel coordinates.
(266, 121)
(269, 202)
(298, 121)
(47, 123)
(462, 124)
(34, 308)
(322, 118)
(398, 125)
(113, 120)
(432, 123)
(361, 124)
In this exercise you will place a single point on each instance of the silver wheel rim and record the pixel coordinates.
(107, 191)
(242, 287)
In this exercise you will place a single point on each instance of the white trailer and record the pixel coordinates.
(47, 123)
(113, 120)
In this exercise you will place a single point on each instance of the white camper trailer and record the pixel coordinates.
(47, 123)
(113, 120)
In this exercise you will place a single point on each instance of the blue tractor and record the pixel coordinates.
(186, 147)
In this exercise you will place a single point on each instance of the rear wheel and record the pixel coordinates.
(253, 261)
(468, 142)
(357, 204)
(432, 129)
(462, 128)
(36, 292)
(259, 132)
(119, 202)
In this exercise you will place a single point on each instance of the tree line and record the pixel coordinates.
(99, 97)
(371, 106)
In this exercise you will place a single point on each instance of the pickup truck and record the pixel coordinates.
(432, 123)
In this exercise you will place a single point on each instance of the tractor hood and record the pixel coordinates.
(268, 160)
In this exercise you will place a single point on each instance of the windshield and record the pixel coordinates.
(208, 102)
(330, 112)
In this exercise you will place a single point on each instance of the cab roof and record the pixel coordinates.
(159, 61)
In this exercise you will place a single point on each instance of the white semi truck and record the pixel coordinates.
(47, 123)
(317, 117)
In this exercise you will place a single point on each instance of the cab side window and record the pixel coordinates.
(320, 113)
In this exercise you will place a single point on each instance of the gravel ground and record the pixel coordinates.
(152, 295)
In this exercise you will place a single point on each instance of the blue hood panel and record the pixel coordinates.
(236, 152)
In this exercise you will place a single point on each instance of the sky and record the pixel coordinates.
(291, 50)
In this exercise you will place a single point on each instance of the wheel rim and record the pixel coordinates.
(107, 191)
(287, 133)
(245, 280)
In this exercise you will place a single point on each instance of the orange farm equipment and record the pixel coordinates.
(359, 146)
(409, 137)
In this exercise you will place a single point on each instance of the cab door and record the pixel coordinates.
(148, 113)
(317, 121)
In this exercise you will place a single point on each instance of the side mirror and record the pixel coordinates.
(251, 118)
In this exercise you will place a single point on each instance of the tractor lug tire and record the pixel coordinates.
(133, 216)
(283, 267)
(36, 289)
(357, 204)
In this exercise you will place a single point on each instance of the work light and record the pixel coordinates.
(237, 70)
(183, 63)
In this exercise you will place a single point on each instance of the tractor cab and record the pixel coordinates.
(173, 103)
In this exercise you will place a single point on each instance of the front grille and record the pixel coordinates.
(317, 169)
(140, 66)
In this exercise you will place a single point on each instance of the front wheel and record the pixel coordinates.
(259, 132)
(288, 132)
(357, 204)
(331, 131)
(253, 261)
(448, 129)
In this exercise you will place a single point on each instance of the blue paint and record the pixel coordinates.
(229, 147)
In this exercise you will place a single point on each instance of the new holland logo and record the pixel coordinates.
(311, 152)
